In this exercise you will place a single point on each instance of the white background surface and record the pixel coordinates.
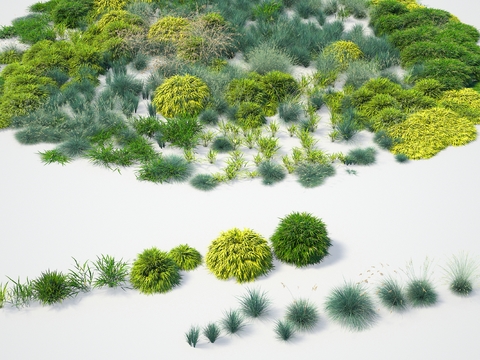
(388, 214)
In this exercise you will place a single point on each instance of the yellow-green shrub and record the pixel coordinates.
(102, 6)
(344, 52)
(425, 133)
(465, 102)
(118, 15)
(169, 29)
(181, 95)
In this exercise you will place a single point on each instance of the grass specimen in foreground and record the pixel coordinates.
(302, 315)
(3, 294)
(460, 272)
(154, 271)
(242, 254)
(254, 303)
(360, 156)
(81, 276)
(300, 239)
(420, 291)
(211, 332)
(192, 336)
(21, 294)
(186, 257)
(232, 322)
(52, 287)
(54, 156)
(351, 306)
(271, 173)
(204, 182)
(391, 294)
(110, 272)
(169, 168)
(284, 330)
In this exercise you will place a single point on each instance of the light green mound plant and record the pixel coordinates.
(186, 257)
(344, 52)
(242, 254)
(154, 271)
(465, 102)
(181, 95)
(169, 28)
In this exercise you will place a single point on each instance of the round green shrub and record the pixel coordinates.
(242, 254)
(52, 287)
(186, 257)
(181, 95)
(250, 115)
(154, 271)
(300, 239)
(169, 28)
(302, 314)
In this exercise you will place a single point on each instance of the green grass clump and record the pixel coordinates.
(391, 294)
(192, 336)
(52, 287)
(110, 272)
(33, 28)
(460, 272)
(81, 277)
(401, 158)
(147, 126)
(361, 156)
(168, 168)
(351, 306)
(271, 172)
(242, 254)
(284, 330)
(232, 322)
(204, 182)
(303, 315)
(222, 144)
(300, 239)
(313, 174)
(265, 58)
(54, 156)
(186, 257)
(292, 111)
(208, 117)
(21, 294)
(3, 294)
(211, 332)
(420, 293)
(154, 271)
(254, 303)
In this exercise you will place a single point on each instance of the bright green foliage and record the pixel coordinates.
(284, 330)
(351, 306)
(254, 303)
(10, 55)
(211, 332)
(154, 271)
(242, 254)
(460, 272)
(391, 294)
(361, 156)
(168, 168)
(429, 87)
(52, 287)
(427, 132)
(102, 6)
(300, 239)
(169, 29)
(71, 13)
(250, 115)
(424, 50)
(192, 336)
(110, 272)
(214, 20)
(181, 95)
(465, 102)
(186, 257)
(33, 28)
(118, 15)
(181, 131)
(54, 156)
(303, 315)
(148, 125)
(344, 52)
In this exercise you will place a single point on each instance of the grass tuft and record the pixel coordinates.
(460, 272)
(169, 168)
(284, 330)
(192, 336)
(211, 332)
(204, 182)
(54, 156)
(232, 322)
(392, 295)
(420, 291)
(52, 287)
(110, 272)
(271, 172)
(302, 315)
(360, 156)
(313, 174)
(254, 303)
(186, 257)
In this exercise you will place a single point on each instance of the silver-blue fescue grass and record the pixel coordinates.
(460, 271)
(232, 322)
(420, 290)
(192, 336)
(254, 303)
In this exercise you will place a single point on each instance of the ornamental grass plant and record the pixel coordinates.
(460, 272)
(302, 314)
(186, 257)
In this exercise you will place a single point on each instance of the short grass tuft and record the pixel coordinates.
(460, 272)
(186, 257)
(232, 322)
(271, 172)
(211, 332)
(254, 303)
(303, 315)
(391, 294)
(205, 182)
(284, 330)
(192, 336)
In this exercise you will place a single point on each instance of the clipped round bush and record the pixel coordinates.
(169, 28)
(205, 182)
(313, 174)
(154, 271)
(242, 254)
(222, 144)
(271, 172)
(181, 95)
(302, 314)
(300, 239)
(169, 168)
(351, 306)
(52, 287)
(186, 257)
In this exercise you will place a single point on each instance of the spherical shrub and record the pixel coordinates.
(169, 28)
(271, 172)
(52, 287)
(154, 271)
(360, 156)
(242, 254)
(313, 174)
(302, 314)
(186, 257)
(222, 144)
(204, 182)
(181, 95)
(344, 52)
(351, 306)
(300, 239)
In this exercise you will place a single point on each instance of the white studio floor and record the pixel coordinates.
(379, 219)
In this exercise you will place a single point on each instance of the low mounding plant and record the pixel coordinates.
(110, 272)
(169, 168)
(300, 239)
(290, 111)
(401, 158)
(351, 306)
(222, 144)
(302, 314)
(54, 156)
(181, 131)
(154, 271)
(313, 174)
(204, 182)
(383, 140)
(186, 257)
(420, 291)
(232, 322)
(242, 254)
(52, 287)
(192, 336)
(265, 58)
(254, 303)
(271, 172)
(391, 294)
(211, 332)
(360, 156)
(460, 272)
(284, 330)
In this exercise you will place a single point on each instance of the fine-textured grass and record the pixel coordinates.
(303, 315)
(81, 276)
(254, 303)
(351, 306)
(52, 287)
(211, 332)
(110, 272)
(313, 174)
(460, 271)
(420, 291)
(222, 144)
(54, 156)
(74, 146)
(208, 117)
(290, 111)
(169, 168)
(271, 172)
(21, 293)
(232, 322)
(192, 336)
(401, 158)
(204, 182)
(361, 156)
(391, 294)
(3, 294)
(284, 330)
(154, 271)
(265, 58)
(383, 140)
(186, 257)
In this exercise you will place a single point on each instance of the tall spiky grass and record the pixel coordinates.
(192, 336)
(303, 315)
(254, 303)
(420, 291)
(3, 294)
(110, 272)
(460, 271)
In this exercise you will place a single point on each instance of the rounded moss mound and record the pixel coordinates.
(351, 306)
(427, 132)
(303, 315)
(300, 239)
(242, 254)
(154, 271)
(181, 95)
(186, 257)
(52, 287)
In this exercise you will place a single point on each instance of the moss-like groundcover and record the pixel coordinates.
(177, 62)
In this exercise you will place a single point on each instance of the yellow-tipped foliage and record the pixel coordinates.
(344, 52)
(425, 133)
(465, 102)
(118, 15)
(242, 254)
(102, 6)
(169, 28)
(410, 4)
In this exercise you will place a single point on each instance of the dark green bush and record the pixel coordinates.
(147, 125)
(360, 156)
(186, 257)
(7, 32)
(300, 239)
(33, 28)
(453, 74)
(154, 272)
(52, 287)
(71, 13)
(313, 174)
(169, 168)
